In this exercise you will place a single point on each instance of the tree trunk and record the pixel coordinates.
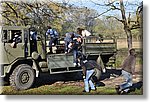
(126, 25)
(129, 37)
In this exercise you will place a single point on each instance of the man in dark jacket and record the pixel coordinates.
(88, 70)
(128, 69)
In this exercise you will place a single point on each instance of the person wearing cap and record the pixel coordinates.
(128, 70)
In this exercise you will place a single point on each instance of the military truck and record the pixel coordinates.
(20, 65)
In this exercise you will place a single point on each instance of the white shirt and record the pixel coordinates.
(85, 33)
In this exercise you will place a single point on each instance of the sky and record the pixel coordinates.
(100, 9)
(86, 3)
(91, 5)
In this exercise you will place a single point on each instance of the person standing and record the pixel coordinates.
(128, 70)
(53, 37)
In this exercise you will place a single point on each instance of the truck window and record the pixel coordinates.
(10, 35)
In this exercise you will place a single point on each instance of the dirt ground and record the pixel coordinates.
(108, 82)
(111, 78)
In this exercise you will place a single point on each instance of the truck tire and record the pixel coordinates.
(22, 77)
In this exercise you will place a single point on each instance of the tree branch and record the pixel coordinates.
(102, 13)
(135, 26)
(6, 17)
(115, 18)
(12, 9)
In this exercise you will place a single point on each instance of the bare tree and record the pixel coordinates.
(128, 23)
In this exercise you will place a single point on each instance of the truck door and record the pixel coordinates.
(11, 50)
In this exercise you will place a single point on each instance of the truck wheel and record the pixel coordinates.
(22, 77)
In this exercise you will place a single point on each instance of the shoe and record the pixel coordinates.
(85, 91)
(92, 89)
(123, 93)
(79, 65)
(74, 64)
(117, 87)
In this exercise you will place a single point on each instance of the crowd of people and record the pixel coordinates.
(73, 43)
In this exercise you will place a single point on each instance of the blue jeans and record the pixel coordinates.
(66, 46)
(88, 81)
(128, 81)
(75, 54)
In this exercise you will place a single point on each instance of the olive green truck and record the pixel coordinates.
(20, 65)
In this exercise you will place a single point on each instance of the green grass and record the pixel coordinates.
(123, 53)
(64, 90)
(74, 89)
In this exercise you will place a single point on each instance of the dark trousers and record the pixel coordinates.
(33, 45)
(53, 40)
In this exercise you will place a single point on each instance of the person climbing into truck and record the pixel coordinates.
(88, 67)
(74, 47)
(53, 37)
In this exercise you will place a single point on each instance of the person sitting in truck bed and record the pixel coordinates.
(54, 37)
